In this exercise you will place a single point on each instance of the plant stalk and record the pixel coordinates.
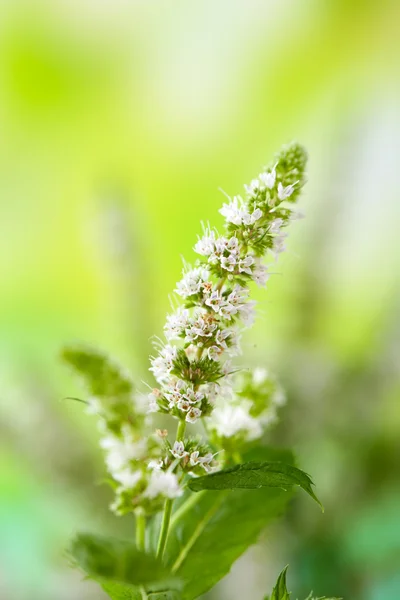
(162, 540)
(140, 531)
(180, 432)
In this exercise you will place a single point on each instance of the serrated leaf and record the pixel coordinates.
(102, 377)
(280, 590)
(111, 560)
(214, 529)
(120, 592)
(116, 591)
(310, 597)
(255, 475)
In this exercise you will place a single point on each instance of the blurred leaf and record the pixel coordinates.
(112, 561)
(255, 475)
(210, 531)
(102, 377)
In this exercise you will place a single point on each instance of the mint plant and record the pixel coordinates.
(200, 495)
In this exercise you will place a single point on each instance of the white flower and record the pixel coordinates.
(279, 398)
(178, 450)
(251, 218)
(237, 303)
(229, 262)
(245, 264)
(279, 244)
(238, 295)
(215, 300)
(268, 179)
(141, 403)
(153, 404)
(226, 252)
(193, 415)
(285, 192)
(260, 274)
(162, 364)
(213, 391)
(252, 187)
(163, 483)
(174, 392)
(194, 458)
(205, 245)
(233, 211)
(93, 406)
(155, 464)
(127, 478)
(260, 375)
(205, 462)
(214, 352)
(230, 420)
(192, 396)
(275, 225)
(184, 405)
(201, 327)
(234, 348)
(176, 324)
(237, 212)
(268, 417)
(221, 336)
(192, 282)
(247, 312)
(120, 452)
(295, 215)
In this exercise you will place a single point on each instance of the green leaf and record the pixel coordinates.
(209, 531)
(116, 591)
(255, 475)
(280, 591)
(311, 597)
(107, 559)
(102, 377)
(121, 592)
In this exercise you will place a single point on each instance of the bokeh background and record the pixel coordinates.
(119, 122)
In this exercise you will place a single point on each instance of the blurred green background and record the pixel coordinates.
(119, 122)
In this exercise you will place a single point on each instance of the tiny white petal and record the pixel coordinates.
(163, 483)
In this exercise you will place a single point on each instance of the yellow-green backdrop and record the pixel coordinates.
(119, 121)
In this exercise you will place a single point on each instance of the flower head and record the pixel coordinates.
(163, 483)
(195, 376)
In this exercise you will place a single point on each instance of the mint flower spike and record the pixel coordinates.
(193, 369)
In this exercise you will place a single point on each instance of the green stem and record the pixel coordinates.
(180, 432)
(162, 540)
(221, 283)
(140, 531)
(185, 507)
(201, 525)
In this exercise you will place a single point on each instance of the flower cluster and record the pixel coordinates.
(215, 293)
(244, 412)
(193, 369)
(130, 455)
(194, 457)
